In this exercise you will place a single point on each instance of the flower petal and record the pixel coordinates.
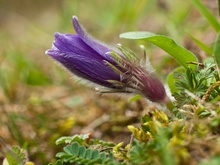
(73, 44)
(99, 47)
(85, 67)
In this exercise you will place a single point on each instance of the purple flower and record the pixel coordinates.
(116, 69)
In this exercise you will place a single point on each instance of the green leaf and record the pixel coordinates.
(88, 154)
(201, 45)
(135, 98)
(203, 10)
(79, 154)
(60, 154)
(72, 149)
(59, 162)
(171, 81)
(217, 50)
(219, 7)
(103, 156)
(95, 154)
(82, 151)
(103, 143)
(138, 153)
(69, 139)
(182, 55)
(15, 156)
(212, 161)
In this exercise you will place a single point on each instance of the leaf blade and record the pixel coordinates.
(216, 51)
(182, 55)
(201, 45)
(210, 18)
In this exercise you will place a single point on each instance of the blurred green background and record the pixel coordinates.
(40, 102)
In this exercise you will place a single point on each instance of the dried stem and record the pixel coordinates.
(209, 91)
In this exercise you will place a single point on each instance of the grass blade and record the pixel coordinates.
(217, 50)
(182, 55)
(219, 7)
(202, 46)
(203, 10)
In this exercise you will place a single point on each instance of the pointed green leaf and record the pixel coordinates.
(201, 45)
(182, 55)
(135, 98)
(203, 10)
(217, 50)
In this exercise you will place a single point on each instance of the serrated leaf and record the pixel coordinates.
(171, 81)
(80, 155)
(139, 153)
(182, 55)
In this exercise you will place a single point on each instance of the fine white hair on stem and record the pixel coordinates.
(145, 63)
(169, 94)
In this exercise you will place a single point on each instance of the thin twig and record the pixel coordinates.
(104, 118)
(196, 63)
(4, 147)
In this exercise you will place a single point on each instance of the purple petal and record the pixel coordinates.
(99, 47)
(85, 57)
(85, 67)
(73, 44)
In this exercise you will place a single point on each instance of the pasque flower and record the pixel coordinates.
(117, 69)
